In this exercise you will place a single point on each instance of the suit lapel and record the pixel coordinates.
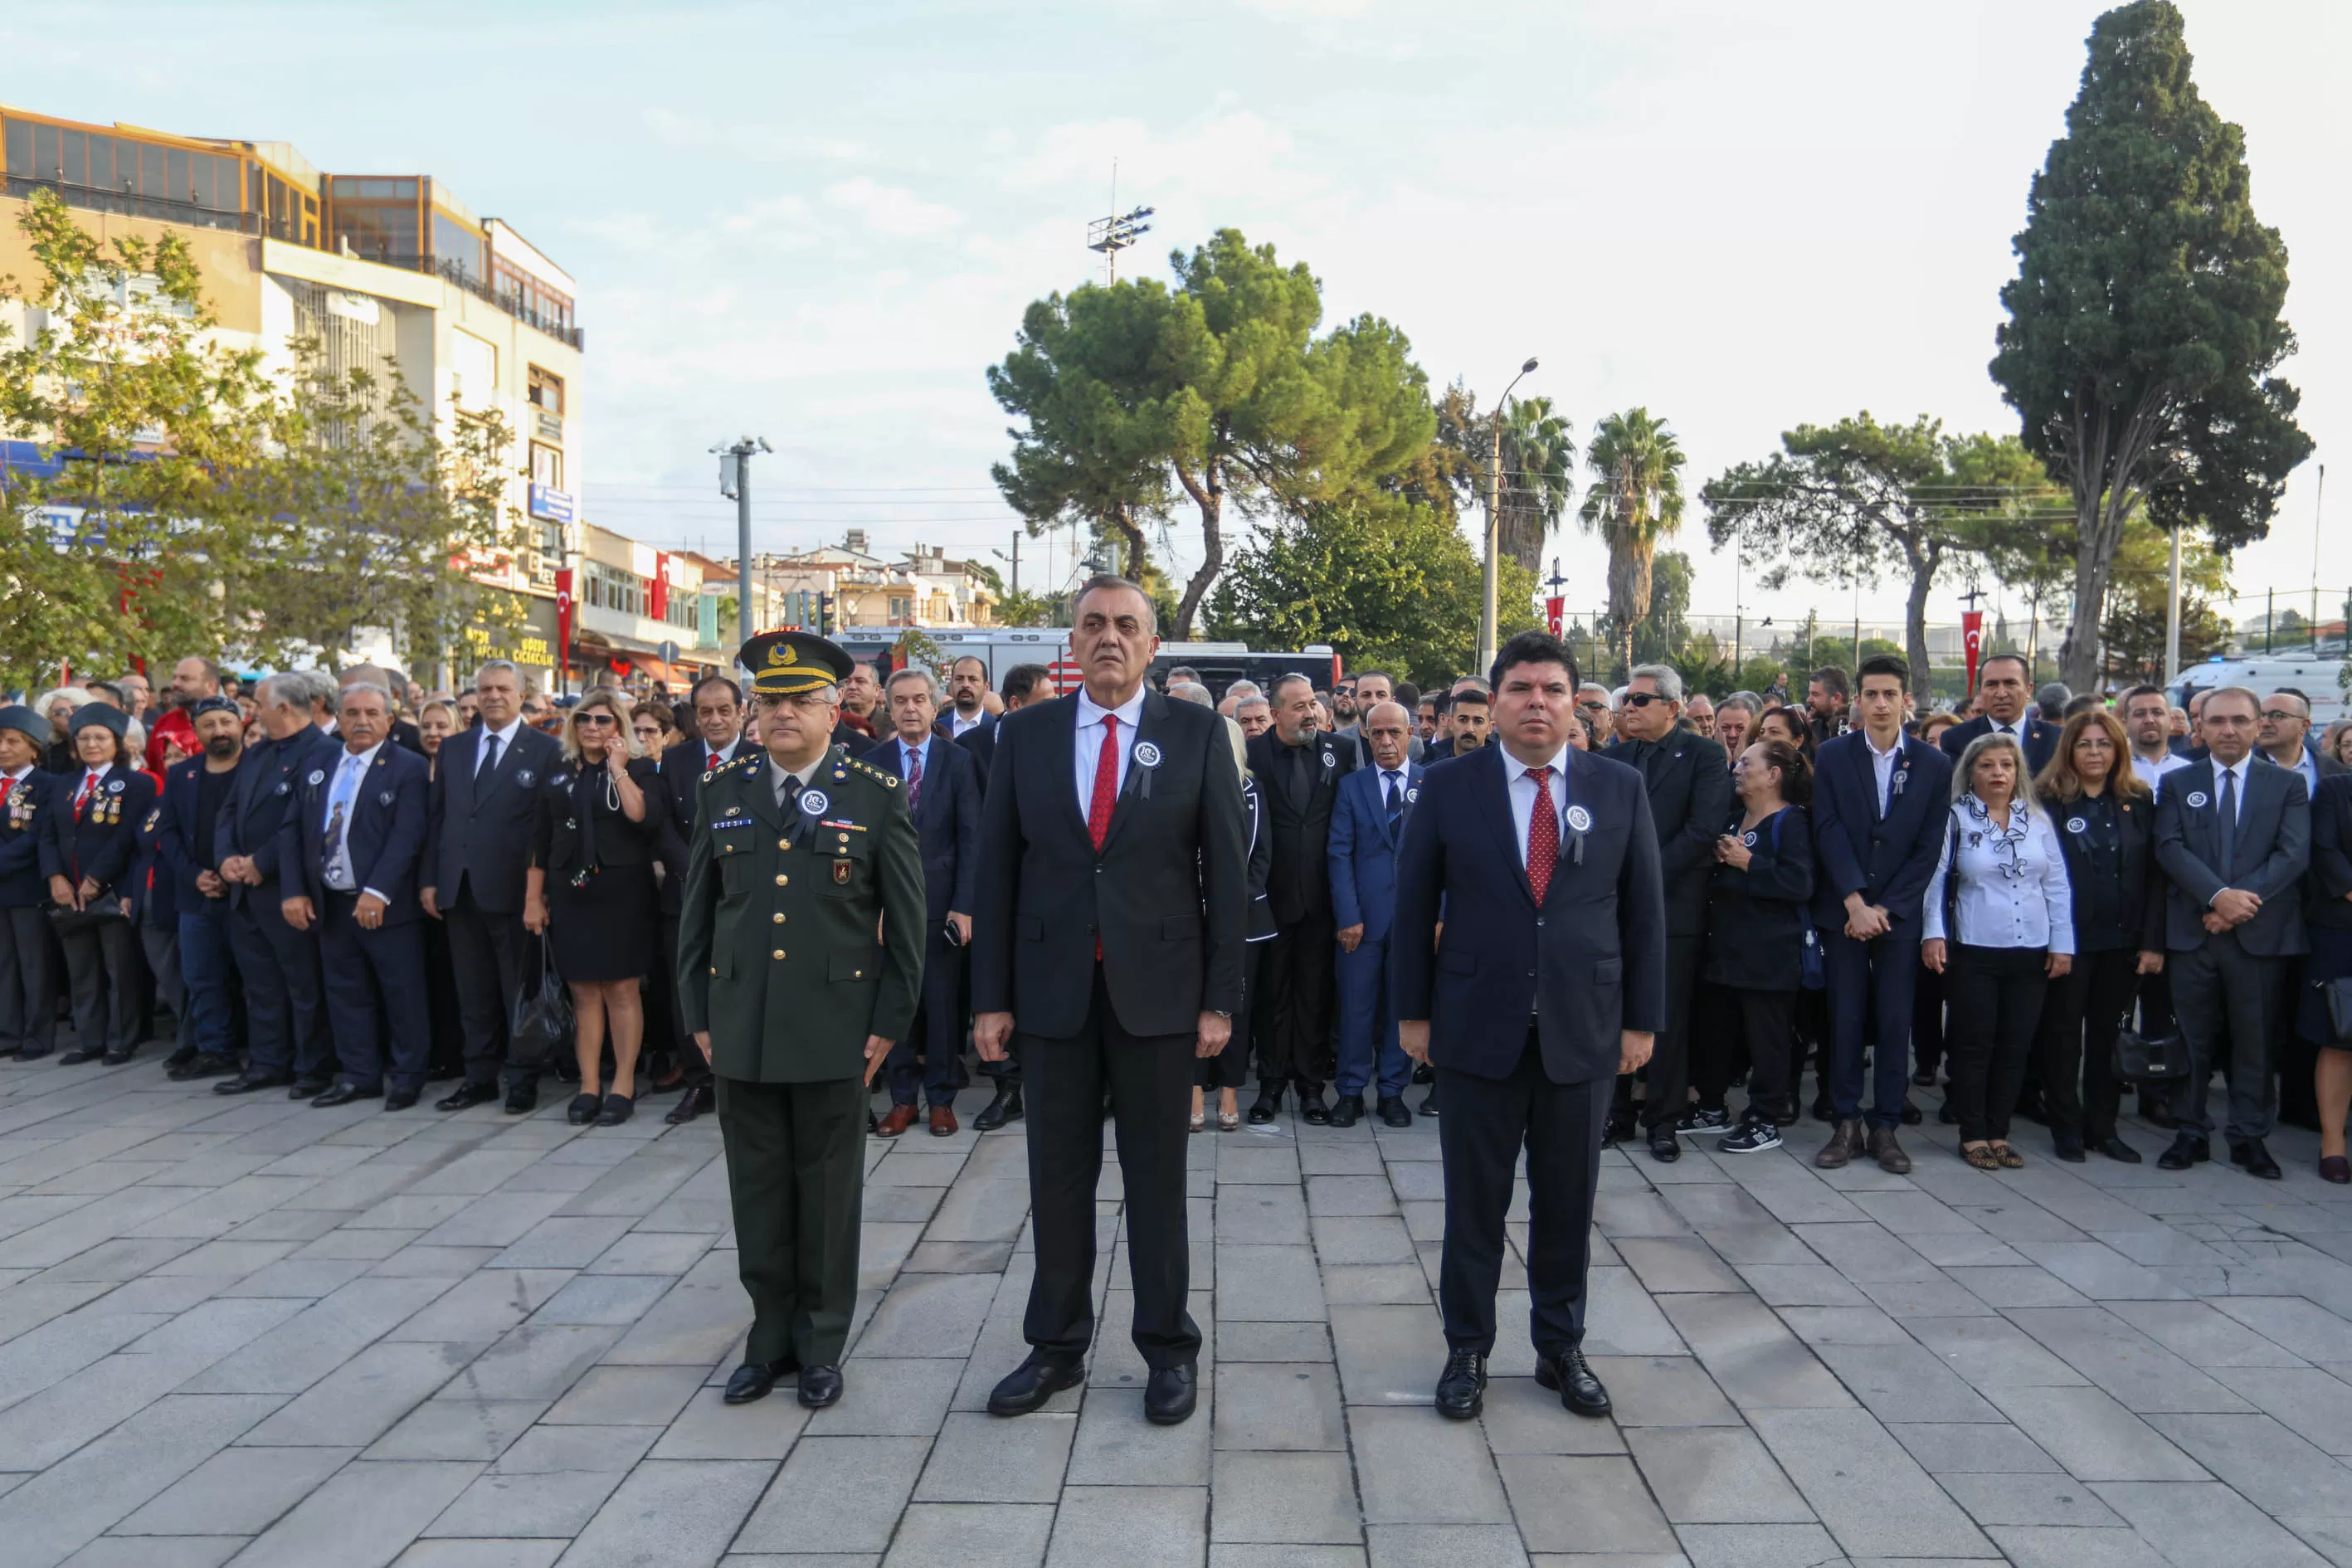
(501, 771)
(1498, 815)
(1147, 726)
(1064, 756)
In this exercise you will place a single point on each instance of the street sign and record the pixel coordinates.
(668, 653)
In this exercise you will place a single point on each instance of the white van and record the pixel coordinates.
(2314, 675)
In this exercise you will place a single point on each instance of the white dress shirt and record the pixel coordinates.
(2238, 789)
(1883, 765)
(961, 726)
(506, 738)
(1087, 752)
(725, 754)
(1522, 792)
(2151, 770)
(346, 785)
(2013, 888)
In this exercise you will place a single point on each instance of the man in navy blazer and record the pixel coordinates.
(1550, 980)
(2234, 839)
(1880, 802)
(285, 1013)
(347, 859)
(1367, 820)
(193, 791)
(943, 796)
(2004, 685)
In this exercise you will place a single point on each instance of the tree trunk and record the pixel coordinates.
(1208, 493)
(1131, 532)
(1915, 625)
(1629, 589)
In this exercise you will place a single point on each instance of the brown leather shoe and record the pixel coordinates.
(1888, 1153)
(1845, 1143)
(900, 1118)
(943, 1121)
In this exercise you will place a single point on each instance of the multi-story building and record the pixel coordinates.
(376, 269)
(926, 589)
(643, 611)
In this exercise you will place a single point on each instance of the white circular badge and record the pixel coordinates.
(1330, 760)
(318, 777)
(526, 778)
(115, 787)
(2076, 824)
(1579, 818)
(1146, 753)
(815, 802)
(1748, 838)
(2197, 797)
(1413, 795)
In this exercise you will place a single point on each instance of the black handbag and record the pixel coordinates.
(540, 1031)
(2144, 1060)
(2338, 993)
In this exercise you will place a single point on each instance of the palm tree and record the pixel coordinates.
(1636, 499)
(1539, 464)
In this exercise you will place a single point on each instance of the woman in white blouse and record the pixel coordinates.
(2000, 926)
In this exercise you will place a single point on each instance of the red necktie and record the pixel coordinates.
(1543, 835)
(715, 763)
(89, 786)
(1105, 784)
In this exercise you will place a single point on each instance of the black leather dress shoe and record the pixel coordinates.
(400, 1098)
(1266, 1107)
(249, 1082)
(1429, 1106)
(1347, 1111)
(344, 1093)
(1392, 1112)
(1170, 1396)
(467, 1094)
(1664, 1148)
(2188, 1148)
(1461, 1386)
(1948, 1114)
(1579, 1389)
(522, 1097)
(2068, 1147)
(1311, 1108)
(1005, 1106)
(698, 1099)
(820, 1386)
(2256, 1158)
(204, 1064)
(23, 1055)
(1031, 1384)
(116, 1058)
(1912, 1115)
(2114, 1148)
(309, 1088)
(80, 1054)
(753, 1379)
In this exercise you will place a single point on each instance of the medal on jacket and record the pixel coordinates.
(1580, 822)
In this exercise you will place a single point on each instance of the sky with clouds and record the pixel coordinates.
(821, 224)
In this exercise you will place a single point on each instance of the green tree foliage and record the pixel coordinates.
(2144, 324)
(117, 558)
(2138, 603)
(1636, 499)
(1027, 609)
(1535, 477)
(1858, 499)
(1388, 584)
(1217, 388)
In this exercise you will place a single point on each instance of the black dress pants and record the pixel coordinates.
(1766, 1020)
(1150, 1079)
(1487, 1122)
(1293, 1017)
(286, 1009)
(1995, 1006)
(2082, 1012)
(1229, 1068)
(2227, 999)
(104, 974)
(486, 950)
(1669, 1069)
(29, 983)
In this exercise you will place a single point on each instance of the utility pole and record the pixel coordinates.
(735, 481)
(1109, 235)
(2172, 614)
(2318, 505)
(1016, 560)
(1487, 639)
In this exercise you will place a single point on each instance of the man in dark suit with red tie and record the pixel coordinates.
(1548, 980)
(1113, 902)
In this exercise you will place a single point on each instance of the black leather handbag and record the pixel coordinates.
(2338, 993)
(2141, 1058)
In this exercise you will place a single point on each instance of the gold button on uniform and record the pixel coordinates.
(778, 917)
(780, 952)
(782, 880)
(784, 844)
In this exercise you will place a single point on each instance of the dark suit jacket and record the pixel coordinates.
(79, 845)
(2274, 848)
(258, 802)
(407, 737)
(845, 735)
(980, 745)
(2331, 855)
(2041, 739)
(682, 769)
(385, 836)
(947, 821)
(1298, 820)
(1689, 785)
(175, 846)
(2142, 891)
(24, 823)
(1593, 956)
(1168, 896)
(1887, 862)
(1363, 850)
(478, 831)
(1755, 919)
(152, 888)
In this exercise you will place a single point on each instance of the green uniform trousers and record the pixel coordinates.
(796, 1174)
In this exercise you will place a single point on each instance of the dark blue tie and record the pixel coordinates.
(1395, 798)
(2228, 824)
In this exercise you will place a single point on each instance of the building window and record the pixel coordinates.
(611, 588)
(546, 390)
(546, 466)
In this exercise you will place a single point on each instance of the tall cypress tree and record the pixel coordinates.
(2144, 319)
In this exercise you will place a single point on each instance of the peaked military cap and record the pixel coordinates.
(24, 721)
(102, 715)
(785, 664)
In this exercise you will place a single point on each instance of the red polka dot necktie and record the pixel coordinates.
(1543, 835)
(1106, 796)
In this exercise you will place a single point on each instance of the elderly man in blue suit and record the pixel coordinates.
(1880, 802)
(1549, 981)
(1366, 822)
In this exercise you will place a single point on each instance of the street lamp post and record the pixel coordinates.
(1486, 622)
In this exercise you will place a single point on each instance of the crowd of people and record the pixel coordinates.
(344, 887)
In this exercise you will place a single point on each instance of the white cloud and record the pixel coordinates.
(889, 210)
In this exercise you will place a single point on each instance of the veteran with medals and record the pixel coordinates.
(800, 962)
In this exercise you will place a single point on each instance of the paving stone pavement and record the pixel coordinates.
(246, 1332)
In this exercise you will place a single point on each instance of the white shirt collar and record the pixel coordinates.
(506, 736)
(1091, 712)
(726, 753)
(20, 775)
(366, 758)
(1894, 751)
(1559, 765)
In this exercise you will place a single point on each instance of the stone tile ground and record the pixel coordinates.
(251, 1333)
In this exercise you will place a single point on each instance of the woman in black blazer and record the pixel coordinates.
(1755, 927)
(2328, 920)
(590, 891)
(2106, 829)
(1227, 1071)
(92, 845)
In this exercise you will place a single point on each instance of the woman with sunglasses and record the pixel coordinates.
(590, 890)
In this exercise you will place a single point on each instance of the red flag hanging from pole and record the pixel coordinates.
(1555, 614)
(1972, 640)
(563, 618)
(657, 594)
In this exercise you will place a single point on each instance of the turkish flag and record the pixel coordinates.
(657, 596)
(563, 618)
(1555, 611)
(1972, 640)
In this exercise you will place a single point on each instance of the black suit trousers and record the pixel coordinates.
(29, 983)
(938, 1031)
(286, 1014)
(375, 981)
(2227, 999)
(1487, 1122)
(1150, 1081)
(1291, 1016)
(2080, 1090)
(1669, 1068)
(487, 951)
(105, 972)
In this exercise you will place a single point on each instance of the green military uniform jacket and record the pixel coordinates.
(778, 951)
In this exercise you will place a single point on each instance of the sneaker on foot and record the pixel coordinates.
(1699, 1118)
(1750, 1138)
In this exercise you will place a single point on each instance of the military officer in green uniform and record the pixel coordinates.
(800, 962)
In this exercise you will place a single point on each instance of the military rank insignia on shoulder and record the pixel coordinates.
(887, 780)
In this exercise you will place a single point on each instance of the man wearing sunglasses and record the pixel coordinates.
(1593, 707)
(1688, 782)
